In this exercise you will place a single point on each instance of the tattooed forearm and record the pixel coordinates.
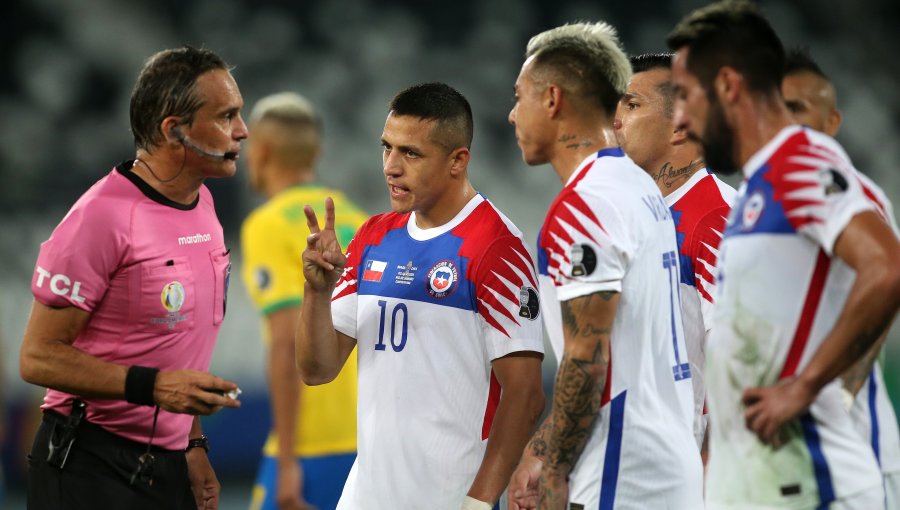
(538, 444)
(572, 310)
(587, 325)
(576, 405)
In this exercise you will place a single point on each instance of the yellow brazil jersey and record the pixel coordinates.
(273, 238)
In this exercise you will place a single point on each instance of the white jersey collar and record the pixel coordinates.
(424, 234)
(615, 152)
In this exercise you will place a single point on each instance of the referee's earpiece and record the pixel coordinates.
(176, 133)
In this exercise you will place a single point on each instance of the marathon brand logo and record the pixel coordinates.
(194, 239)
(442, 279)
(60, 284)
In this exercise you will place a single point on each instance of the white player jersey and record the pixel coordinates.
(780, 291)
(610, 230)
(699, 208)
(872, 411)
(430, 310)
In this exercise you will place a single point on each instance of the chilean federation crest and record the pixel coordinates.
(753, 209)
(442, 279)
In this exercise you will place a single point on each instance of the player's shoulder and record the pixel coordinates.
(799, 150)
(376, 227)
(703, 193)
(487, 221)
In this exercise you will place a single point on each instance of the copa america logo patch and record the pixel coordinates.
(583, 258)
(529, 303)
(753, 210)
(441, 280)
(172, 296)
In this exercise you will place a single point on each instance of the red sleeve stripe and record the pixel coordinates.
(488, 312)
(492, 402)
(347, 283)
(528, 264)
(795, 180)
(500, 303)
(583, 214)
(807, 316)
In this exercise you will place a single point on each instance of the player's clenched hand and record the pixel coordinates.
(323, 260)
(771, 407)
(192, 392)
(523, 485)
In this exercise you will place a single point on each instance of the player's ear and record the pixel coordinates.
(552, 99)
(833, 122)
(679, 136)
(727, 83)
(459, 160)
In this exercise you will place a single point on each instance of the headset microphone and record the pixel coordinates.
(183, 139)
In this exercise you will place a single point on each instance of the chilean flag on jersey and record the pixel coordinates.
(374, 270)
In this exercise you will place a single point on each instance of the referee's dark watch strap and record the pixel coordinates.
(200, 442)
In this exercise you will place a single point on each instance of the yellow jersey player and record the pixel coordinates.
(309, 453)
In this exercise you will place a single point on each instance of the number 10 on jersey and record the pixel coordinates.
(398, 318)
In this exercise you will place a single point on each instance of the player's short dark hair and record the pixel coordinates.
(166, 86)
(652, 61)
(731, 33)
(444, 105)
(799, 60)
(584, 59)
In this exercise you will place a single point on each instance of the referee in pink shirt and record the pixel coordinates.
(130, 292)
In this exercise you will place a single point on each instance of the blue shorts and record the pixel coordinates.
(323, 481)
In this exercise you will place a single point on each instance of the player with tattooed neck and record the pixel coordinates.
(619, 432)
(699, 201)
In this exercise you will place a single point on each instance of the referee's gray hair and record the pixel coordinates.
(596, 52)
(287, 107)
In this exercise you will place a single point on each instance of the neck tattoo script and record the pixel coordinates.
(669, 174)
(574, 145)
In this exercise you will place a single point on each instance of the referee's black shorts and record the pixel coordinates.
(98, 470)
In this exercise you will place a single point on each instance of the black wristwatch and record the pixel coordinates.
(200, 442)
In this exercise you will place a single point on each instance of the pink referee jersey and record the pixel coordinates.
(154, 276)
(781, 289)
(610, 230)
(699, 208)
(430, 309)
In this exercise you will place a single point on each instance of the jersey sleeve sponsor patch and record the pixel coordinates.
(75, 265)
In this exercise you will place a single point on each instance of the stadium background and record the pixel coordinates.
(68, 68)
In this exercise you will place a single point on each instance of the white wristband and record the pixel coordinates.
(473, 504)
